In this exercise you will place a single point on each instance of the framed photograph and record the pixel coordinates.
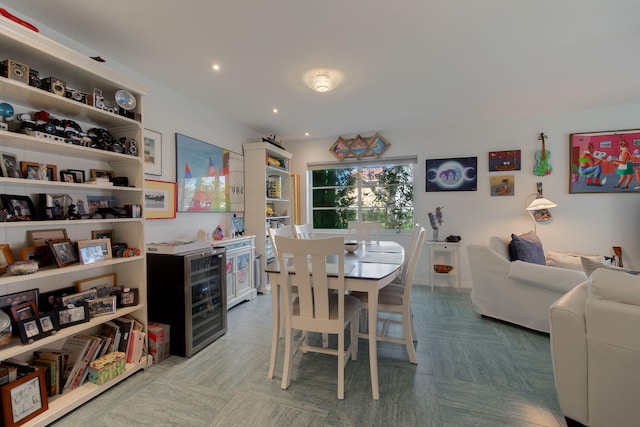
(159, 199)
(24, 399)
(66, 176)
(40, 254)
(6, 257)
(63, 252)
(49, 301)
(18, 298)
(78, 175)
(103, 234)
(19, 206)
(94, 250)
(128, 297)
(605, 162)
(79, 298)
(23, 311)
(69, 316)
(98, 202)
(100, 173)
(98, 282)
(452, 174)
(503, 161)
(31, 170)
(9, 165)
(152, 152)
(35, 328)
(102, 306)
(40, 237)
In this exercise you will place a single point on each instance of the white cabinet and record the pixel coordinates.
(268, 194)
(239, 268)
(447, 253)
(83, 74)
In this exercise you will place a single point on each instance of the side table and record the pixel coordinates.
(450, 249)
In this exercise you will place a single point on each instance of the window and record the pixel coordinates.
(368, 191)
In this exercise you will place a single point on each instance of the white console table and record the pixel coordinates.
(451, 252)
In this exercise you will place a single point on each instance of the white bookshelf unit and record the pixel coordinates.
(83, 74)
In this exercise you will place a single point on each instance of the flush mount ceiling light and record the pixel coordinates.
(322, 79)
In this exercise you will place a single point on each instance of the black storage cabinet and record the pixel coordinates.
(188, 292)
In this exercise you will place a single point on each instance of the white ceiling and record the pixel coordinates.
(409, 64)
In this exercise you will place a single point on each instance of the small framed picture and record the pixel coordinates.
(18, 298)
(40, 237)
(78, 174)
(49, 301)
(24, 398)
(19, 206)
(79, 298)
(31, 170)
(95, 203)
(9, 165)
(63, 252)
(6, 257)
(128, 297)
(99, 173)
(48, 323)
(95, 247)
(69, 316)
(98, 282)
(40, 254)
(66, 176)
(28, 330)
(23, 311)
(102, 306)
(103, 234)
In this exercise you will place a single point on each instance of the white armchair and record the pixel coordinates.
(516, 291)
(595, 348)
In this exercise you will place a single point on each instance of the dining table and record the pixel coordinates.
(368, 269)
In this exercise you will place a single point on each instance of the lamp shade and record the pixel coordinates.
(540, 203)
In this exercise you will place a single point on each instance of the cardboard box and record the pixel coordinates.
(159, 341)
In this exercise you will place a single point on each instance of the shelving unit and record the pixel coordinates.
(258, 169)
(84, 74)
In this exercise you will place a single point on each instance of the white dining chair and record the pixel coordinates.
(286, 230)
(368, 231)
(316, 309)
(305, 231)
(397, 300)
(401, 279)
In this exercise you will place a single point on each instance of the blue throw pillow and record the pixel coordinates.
(527, 247)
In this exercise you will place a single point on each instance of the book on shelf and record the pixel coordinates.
(60, 359)
(50, 373)
(8, 373)
(88, 357)
(126, 327)
(76, 347)
(111, 330)
(136, 346)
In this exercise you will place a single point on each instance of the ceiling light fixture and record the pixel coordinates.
(322, 79)
(216, 67)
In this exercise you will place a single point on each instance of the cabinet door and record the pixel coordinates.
(243, 272)
(231, 269)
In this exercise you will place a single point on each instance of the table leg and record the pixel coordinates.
(373, 343)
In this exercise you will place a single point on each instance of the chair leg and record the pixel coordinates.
(354, 336)
(288, 356)
(277, 324)
(407, 324)
(413, 330)
(341, 362)
(325, 340)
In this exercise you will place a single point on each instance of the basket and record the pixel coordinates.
(442, 268)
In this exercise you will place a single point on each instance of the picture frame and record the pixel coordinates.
(452, 174)
(502, 185)
(79, 176)
(40, 237)
(9, 165)
(505, 160)
(19, 206)
(152, 154)
(69, 177)
(17, 298)
(50, 301)
(604, 162)
(79, 298)
(108, 280)
(69, 316)
(6, 258)
(102, 306)
(94, 250)
(103, 234)
(29, 170)
(48, 323)
(95, 203)
(101, 173)
(24, 398)
(23, 311)
(82, 205)
(128, 297)
(37, 327)
(63, 252)
(40, 254)
(160, 199)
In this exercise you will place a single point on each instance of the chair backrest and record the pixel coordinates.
(287, 231)
(305, 231)
(309, 260)
(410, 250)
(364, 230)
(409, 272)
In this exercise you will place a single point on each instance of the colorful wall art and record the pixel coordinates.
(453, 174)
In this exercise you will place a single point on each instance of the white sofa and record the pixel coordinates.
(595, 348)
(516, 291)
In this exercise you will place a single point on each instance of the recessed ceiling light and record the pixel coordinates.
(322, 79)
(275, 110)
(306, 134)
(216, 67)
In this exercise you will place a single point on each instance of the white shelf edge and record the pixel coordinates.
(66, 222)
(63, 184)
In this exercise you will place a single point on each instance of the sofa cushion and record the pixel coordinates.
(614, 285)
(569, 260)
(590, 265)
(527, 247)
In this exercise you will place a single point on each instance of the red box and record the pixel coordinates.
(159, 341)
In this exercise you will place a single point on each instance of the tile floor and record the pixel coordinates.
(471, 371)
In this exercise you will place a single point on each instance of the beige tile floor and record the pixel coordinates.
(471, 371)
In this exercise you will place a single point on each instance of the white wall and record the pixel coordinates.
(588, 223)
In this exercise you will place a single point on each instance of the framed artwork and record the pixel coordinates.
(152, 152)
(82, 204)
(98, 202)
(30, 170)
(69, 316)
(9, 165)
(6, 257)
(19, 206)
(100, 173)
(127, 298)
(79, 298)
(67, 176)
(103, 234)
(159, 199)
(452, 174)
(102, 306)
(359, 147)
(37, 327)
(503, 161)
(98, 282)
(78, 175)
(40, 254)
(23, 311)
(503, 185)
(18, 298)
(49, 301)
(63, 252)
(24, 398)
(605, 162)
(203, 176)
(94, 250)
(40, 237)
